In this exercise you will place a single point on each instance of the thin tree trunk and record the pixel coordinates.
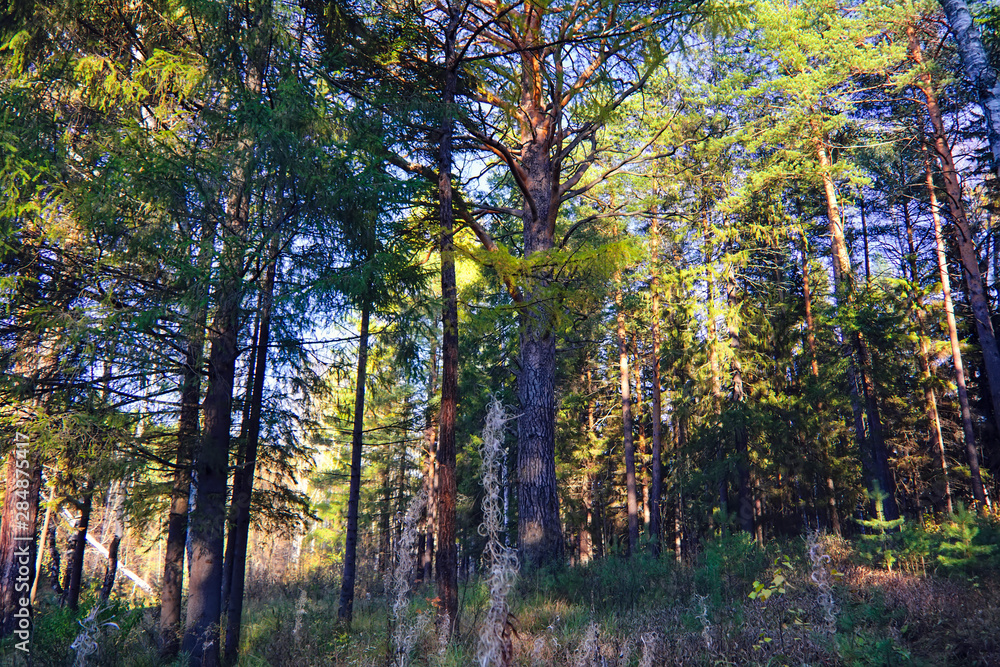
(640, 428)
(346, 609)
(430, 473)
(447, 549)
(923, 359)
(243, 477)
(118, 531)
(656, 493)
(814, 368)
(741, 441)
(45, 531)
(969, 257)
(880, 480)
(628, 446)
(968, 431)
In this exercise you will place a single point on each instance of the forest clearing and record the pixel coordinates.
(472, 332)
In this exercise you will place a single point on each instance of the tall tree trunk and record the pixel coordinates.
(447, 548)
(978, 69)
(243, 477)
(188, 428)
(18, 542)
(346, 609)
(923, 360)
(656, 492)
(814, 369)
(967, 253)
(640, 428)
(74, 567)
(539, 527)
(880, 479)
(968, 431)
(207, 521)
(628, 446)
(740, 438)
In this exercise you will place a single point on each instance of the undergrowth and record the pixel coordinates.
(823, 601)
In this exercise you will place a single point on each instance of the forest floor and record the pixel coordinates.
(737, 604)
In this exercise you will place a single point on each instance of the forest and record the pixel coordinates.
(499, 332)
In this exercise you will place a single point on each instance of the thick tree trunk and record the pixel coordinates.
(628, 446)
(18, 542)
(879, 478)
(656, 492)
(207, 520)
(969, 258)
(346, 609)
(978, 69)
(243, 477)
(78, 542)
(539, 527)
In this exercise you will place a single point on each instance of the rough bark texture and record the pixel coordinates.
(978, 69)
(346, 609)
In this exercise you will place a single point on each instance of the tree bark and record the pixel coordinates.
(923, 360)
(346, 609)
(740, 437)
(880, 479)
(968, 255)
(18, 542)
(656, 492)
(78, 542)
(207, 521)
(243, 477)
(447, 548)
(968, 430)
(979, 70)
(628, 446)
(188, 428)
